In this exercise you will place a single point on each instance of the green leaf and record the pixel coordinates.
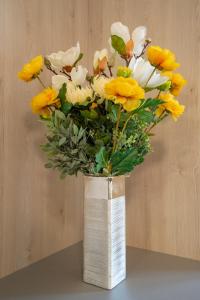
(62, 141)
(118, 44)
(62, 93)
(75, 129)
(78, 59)
(146, 116)
(123, 162)
(60, 115)
(149, 103)
(65, 106)
(89, 114)
(115, 110)
(101, 159)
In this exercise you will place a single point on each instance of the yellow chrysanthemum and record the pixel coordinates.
(99, 85)
(161, 58)
(170, 105)
(125, 91)
(76, 94)
(31, 69)
(40, 104)
(177, 82)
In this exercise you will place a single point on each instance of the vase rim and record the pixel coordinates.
(99, 176)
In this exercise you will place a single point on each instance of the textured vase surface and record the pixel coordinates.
(104, 242)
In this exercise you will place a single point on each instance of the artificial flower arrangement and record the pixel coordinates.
(100, 123)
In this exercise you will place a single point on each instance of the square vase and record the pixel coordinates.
(104, 242)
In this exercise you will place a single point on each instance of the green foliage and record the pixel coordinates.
(101, 159)
(124, 162)
(65, 106)
(66, 146)
(150, 103)
(118, 44)
(81, 139)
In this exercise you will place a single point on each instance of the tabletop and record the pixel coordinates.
(150, 276)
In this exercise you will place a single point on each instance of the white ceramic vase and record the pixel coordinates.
(104, 241)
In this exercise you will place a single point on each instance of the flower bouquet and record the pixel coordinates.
(99, 123)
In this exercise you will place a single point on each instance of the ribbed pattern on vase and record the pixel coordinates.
(104, 231)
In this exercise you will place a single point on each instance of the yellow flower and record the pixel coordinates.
(125, 91)
(170, 105)
(31, 69)
(40, 104)
(124, 72)
(162, 59)
(177, 82)
(99, 84)
(76, 94)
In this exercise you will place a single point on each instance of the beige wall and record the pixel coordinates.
(39, 214)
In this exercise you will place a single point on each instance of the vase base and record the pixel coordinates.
(103, 283)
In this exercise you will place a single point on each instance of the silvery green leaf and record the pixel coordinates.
(62, 141)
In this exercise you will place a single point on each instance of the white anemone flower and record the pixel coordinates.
(78, 75)
(58, 80)
(61, 59)
(120, 30)
(138, 36)
(142, 70)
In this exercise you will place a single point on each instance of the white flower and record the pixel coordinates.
(58, 80)
(120, 30)
(99, 56)
(76, 94)
(99, 84)
(139, 38)
(61, 59)
(142, 70)
(78, 75)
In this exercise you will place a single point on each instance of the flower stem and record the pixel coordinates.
(40, 81)
(125, 124)
(158, 94)
(116, 130)
(110, 70)
(150, 76)
(147, 42)
(65, 73)
(162, 116)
